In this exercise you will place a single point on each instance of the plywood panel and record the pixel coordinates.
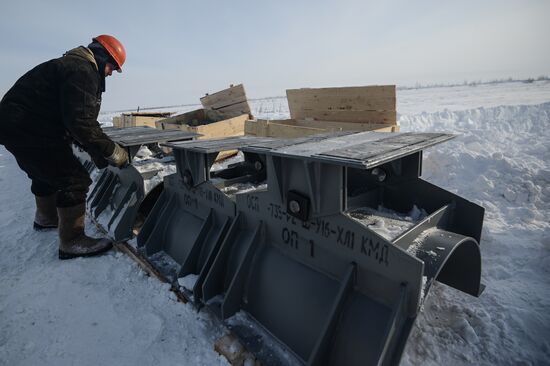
(190, 117)
(378, 117)
(292, 128)
(234, 110)
(348, 98)
(229, 127)
(223, 98)
(349, 104)
(135, 121)
(230, 102)
(117, 121)
(340, 126)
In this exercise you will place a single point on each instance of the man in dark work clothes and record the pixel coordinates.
(49, 108)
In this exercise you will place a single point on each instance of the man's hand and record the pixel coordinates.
(99, 161)
(119, 157)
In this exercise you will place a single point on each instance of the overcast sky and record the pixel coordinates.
(179, 50)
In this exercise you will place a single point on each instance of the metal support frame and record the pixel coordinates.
(291, 258)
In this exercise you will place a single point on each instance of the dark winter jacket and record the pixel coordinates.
(55, 103)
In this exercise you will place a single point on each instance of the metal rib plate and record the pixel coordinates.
(372, 153)
(216, 145)
(135, 136)
(361, 150)
(248, 143)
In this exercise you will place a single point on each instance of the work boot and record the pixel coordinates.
(72, 240)
(45, 217)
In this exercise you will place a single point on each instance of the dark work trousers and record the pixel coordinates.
(54, 169)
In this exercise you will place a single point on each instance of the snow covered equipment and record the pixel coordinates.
(116, 194)
(113, 201)
(330, 249)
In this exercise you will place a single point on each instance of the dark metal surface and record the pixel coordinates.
(242, 142)
(143, 135)
(373, 153)
(216, 145)
(114, 200)
(361, 150)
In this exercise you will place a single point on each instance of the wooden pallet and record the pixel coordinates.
(135, 119)
(314, 111)
(223, 114)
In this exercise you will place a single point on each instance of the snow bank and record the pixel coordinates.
(501, 160)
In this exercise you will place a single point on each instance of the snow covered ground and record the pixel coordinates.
(104, 311)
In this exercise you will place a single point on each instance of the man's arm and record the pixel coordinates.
(79, 109)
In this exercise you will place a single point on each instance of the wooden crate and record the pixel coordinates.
(117, 121)
(224, 114)
(135, 119)
(228, 127)
(314, 111)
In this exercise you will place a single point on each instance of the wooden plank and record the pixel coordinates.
(289, 131)
(143, 121)
(166, 126)
(340, 126)
(310, 103)
(229, 127)
(141, 261)
(394, 128)
(232, 349)
(198, 115)
(232, 95)
(290, 128)
(151, 114)
(219, 106)
(273, 129)
(226, 154)
(124, 121)
(379, 117)
(229, 102)
(255, 127)
(234, 110)
(117, 121)
(349, 98)
(351, 91)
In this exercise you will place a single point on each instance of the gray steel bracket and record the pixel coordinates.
(293, 259)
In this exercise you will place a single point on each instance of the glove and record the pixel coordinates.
(119, 157)
(99, 161)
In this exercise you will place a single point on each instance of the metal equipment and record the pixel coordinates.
(297, 255)
(116, 195)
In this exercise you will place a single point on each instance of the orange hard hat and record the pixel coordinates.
(114, 48)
